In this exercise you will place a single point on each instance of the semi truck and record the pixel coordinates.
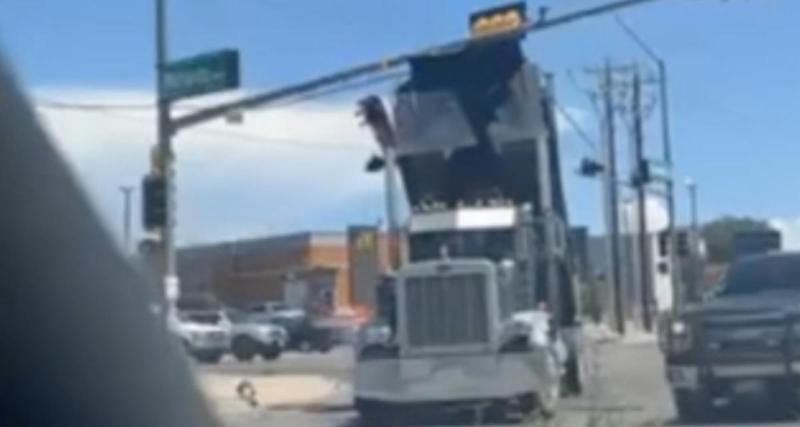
(481, 311)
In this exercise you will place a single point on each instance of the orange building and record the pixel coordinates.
(259, 269)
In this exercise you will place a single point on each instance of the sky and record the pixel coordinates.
(732, 84)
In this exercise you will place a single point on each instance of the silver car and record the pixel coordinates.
(254, 334)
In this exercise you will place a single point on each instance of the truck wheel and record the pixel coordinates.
(243, 349)
(692, 407)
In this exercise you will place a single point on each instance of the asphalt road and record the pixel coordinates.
(627, 389)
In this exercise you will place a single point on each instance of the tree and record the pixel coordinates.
(718, 235)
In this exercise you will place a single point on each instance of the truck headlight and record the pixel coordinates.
(375, 342)
(680, 336)
(375, 334)
(679, 327)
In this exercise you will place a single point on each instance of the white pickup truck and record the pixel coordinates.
(206, 335)
(255, 334)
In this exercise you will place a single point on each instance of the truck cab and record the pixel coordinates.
(457, 326)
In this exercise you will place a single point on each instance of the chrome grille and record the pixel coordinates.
(736, 340)
(446, 310)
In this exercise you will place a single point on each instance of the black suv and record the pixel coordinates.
(743, 340)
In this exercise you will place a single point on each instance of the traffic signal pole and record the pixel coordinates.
(164, 160)
(386, 64)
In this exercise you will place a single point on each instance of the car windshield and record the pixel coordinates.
(492, 244)
(210, 318)
(763, 274)
(259, 318)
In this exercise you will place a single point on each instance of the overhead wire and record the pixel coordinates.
(576, 127)
(114, 109)
(345, 87)
(243, 136)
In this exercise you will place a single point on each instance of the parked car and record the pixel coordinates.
(741, 341)
(204, 334)
(255, 334)
(304, 334)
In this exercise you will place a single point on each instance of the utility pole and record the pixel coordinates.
(666, 146)
(165, 158)
(640, 179)
(612, 197)
(127, 191)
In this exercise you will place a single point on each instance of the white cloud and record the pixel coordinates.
(283, 169)
(280, 170)
(656, 214)
(579, 117)
(790, 231)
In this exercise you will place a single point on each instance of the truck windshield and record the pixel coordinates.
(763, 274)
(492, 244)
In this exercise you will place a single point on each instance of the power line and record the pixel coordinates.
(577, 127)
(345, 87)
(92, 106)
(64, 105)
(113, 109)
(242, 136)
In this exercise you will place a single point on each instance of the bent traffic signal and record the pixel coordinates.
(154, 202)
(590, 168)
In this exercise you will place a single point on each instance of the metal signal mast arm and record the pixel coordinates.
(263, 99)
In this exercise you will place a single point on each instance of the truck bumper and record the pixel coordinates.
(728, 378)
(455, 377)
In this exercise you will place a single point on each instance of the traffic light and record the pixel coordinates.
(590, 168)
(663, 243)
(642, 174)
(375, 164)
(154, 202)
(497, 19)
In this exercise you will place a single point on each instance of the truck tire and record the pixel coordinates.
(692, 407)
(243, 348)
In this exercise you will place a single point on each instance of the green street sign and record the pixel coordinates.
(201, 74)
